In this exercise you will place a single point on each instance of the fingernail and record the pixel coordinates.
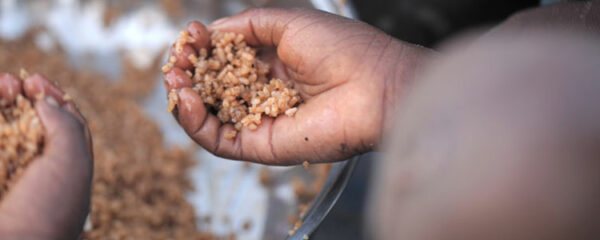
(218, 21)
(51, 101)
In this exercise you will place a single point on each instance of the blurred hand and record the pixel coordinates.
(51, 199)
(348, 73)
(507, 149)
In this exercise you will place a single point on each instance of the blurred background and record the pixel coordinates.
(428, 22)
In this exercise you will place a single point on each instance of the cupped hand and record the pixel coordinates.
(51, 198)
(348, 73)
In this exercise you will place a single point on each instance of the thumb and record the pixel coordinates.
(53, 194)
(66, 138)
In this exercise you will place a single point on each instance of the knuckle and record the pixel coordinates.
(255, 11)
(267, 11)
(303, 11)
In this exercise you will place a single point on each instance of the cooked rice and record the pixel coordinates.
(184, 37)
(297, 225)
(306, 164)
(233, 82)
(23, 73)
(173, 99)
(169, 65)
(21, 140)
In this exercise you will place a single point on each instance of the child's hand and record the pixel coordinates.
(348, 73)
(51, 199)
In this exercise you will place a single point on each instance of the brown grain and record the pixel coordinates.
(21, 140)
(234, 83)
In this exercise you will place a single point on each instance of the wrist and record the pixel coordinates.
(405, 65)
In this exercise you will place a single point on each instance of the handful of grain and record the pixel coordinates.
(21, 139)
(234, 83)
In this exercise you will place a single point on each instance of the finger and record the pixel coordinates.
(280, 141)
(200, 34)
(317, 132)
(183, 60)
(299, 131)
(10, 87)
(304, 38)
(260, 26)
(176, 79)
(73, 109)
(271, 143)
(65, 134)
(199, 124)
(54, 191)
(37, 85)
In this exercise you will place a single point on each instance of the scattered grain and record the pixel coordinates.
(230, 134)
(291, 112)
(266, 177)
(169, 65)
(247, 225)
(306, 164)
(67, 97)
(173, 100)
(23, 74)
(297, 225)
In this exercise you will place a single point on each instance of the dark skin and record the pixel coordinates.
(51, 199)
(343, 67)
(504, 152)
(499, 138)
(451, 183)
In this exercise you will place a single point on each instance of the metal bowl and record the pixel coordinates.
(334, 186)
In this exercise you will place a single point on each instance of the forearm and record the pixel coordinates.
(406, 60)
(572, 16)
(407, 63)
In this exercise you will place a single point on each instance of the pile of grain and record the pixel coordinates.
(21, 139)
(234, 83)
(139, 184)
